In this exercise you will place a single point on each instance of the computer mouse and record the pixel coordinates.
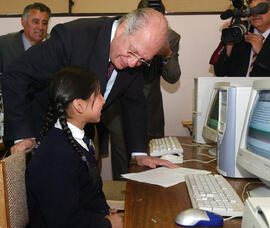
(172, 158)
(197, 217)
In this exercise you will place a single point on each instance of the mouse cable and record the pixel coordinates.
(232, 217)
(245, 188)
(197, 145)
(207, 155)
(196, 160)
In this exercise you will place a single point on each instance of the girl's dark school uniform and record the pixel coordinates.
(61, 190)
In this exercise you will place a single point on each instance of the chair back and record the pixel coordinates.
(115, 193)
(13, 204)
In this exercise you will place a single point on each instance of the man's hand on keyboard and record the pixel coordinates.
(153, 162)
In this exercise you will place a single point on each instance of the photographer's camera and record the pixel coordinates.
(238, 27)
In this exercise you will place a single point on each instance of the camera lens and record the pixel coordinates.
(234, 34)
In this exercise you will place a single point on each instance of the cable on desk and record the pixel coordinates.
(197, 145)
(185, 144)
(232, 217)
(196, 160)
(245, 188)
(207, 155)
(202, 146)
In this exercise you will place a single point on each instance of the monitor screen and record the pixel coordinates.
(254, 150)
(258, 133)
(212, 120)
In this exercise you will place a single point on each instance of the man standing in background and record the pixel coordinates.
(34, 21)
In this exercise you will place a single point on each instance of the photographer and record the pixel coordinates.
(251, 56)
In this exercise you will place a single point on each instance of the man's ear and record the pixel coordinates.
(78, 105)
(22, 21)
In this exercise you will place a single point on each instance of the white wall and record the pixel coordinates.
(200, 35)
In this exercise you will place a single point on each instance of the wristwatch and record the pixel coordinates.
(166, 59)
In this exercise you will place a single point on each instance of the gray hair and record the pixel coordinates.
(136, 20)
(38, 6)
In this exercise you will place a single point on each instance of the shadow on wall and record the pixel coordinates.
(170, 88)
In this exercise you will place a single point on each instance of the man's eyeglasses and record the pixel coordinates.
(142, 60)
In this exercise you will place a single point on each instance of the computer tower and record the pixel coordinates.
(202, 90)
(233, 103)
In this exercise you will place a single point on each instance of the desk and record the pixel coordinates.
(152, 206)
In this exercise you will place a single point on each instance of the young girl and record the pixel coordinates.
(64, 188)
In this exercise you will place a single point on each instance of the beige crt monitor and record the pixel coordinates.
(202, 90)
(254, 149)
(210, 126)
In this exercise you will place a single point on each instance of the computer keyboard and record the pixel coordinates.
(165, 145)
(213, 193)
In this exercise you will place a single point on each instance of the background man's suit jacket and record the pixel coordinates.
(11, 46)
(83, 42)
(170, 72)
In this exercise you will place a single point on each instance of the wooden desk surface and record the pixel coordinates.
(152, 206)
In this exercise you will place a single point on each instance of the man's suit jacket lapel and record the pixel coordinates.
(18, 45)
(100, 58)
(122, 83)
(261, 64)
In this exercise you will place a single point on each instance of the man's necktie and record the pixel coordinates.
(89, 144)
(253, 59)
(110, 70)
(252, 62)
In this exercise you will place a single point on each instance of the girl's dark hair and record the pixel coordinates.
(67, 84)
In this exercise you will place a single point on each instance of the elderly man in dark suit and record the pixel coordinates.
(250, 57)
(164, 64)
(127, 43)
